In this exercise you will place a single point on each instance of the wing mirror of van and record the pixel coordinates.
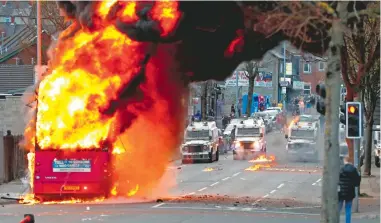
(261, 134)
(210, 138)
(375, 142)
(286, 136)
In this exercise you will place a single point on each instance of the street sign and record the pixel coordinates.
(284, 90)
(283, 83)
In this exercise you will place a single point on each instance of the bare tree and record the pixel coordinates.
(251, 72)
(370, 96)
(360, 54)
(52, 24)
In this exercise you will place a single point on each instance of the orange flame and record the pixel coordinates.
(87, 74)
(209, 169)
(261, 162)
(293, 122)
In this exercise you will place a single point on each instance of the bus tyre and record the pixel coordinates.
(377, 161)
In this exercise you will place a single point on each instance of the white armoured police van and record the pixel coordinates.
(302, 141)
(249, 140)
(201, 142)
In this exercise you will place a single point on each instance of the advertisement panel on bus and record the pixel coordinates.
(80, 173)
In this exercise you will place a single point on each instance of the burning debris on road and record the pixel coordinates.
(261, 162)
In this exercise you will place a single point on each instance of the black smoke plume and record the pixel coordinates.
(204, 34)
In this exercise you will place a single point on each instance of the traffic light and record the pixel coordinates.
(320, 102)
(353, 123)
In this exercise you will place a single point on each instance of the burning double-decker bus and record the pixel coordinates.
(80, 173)
(99, 95)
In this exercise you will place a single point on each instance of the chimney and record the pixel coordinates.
(12, 20)
(4, 3)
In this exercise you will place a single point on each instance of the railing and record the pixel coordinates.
(15, 158)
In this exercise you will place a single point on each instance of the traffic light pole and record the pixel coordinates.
(356, 148)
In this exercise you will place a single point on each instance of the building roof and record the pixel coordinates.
(15, 77)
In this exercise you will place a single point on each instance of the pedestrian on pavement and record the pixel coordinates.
(349, 179)
(232, 109)
(197, 116)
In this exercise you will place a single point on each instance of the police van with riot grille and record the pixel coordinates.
(249, 140)
(201, 142)
(302, 141)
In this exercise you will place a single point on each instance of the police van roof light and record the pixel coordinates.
(205, 123)
(241, 122)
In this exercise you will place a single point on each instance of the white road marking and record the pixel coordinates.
(214, 184)
(236, 174)
(273, 191)
(158, 205)
(190, 194)
(280, 186)
(256, 202)
(226, 178)
(242, 178)
(265, 196)
(314, 184)
(318, 180)
(203, 189)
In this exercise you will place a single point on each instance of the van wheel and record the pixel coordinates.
(377, 161)
(217, 155)
(210, 157)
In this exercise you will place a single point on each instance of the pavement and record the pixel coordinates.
(222, 191)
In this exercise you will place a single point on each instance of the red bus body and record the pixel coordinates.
(82, 173)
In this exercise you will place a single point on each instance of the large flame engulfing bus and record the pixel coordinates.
(87, 135)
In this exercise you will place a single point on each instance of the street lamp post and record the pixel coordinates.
(284, 75)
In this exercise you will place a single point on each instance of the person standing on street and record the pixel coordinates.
(349, 179)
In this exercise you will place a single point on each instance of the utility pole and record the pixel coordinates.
(284, 75)
(237, 94)
(39, 31)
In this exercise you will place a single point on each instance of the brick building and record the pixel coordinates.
(312, 71)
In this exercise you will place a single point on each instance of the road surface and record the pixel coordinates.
(294, 180)
(222, 191)
(166, 213)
